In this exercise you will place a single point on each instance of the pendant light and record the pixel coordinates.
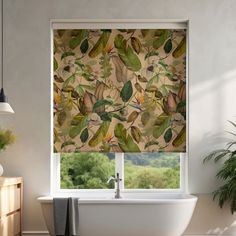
(5, 107)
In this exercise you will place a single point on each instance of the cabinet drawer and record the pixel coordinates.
(10, 196)
(10, 225)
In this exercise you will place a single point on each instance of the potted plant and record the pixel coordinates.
(6, 138)
(227, 173)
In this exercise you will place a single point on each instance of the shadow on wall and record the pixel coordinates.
(211, 104)
(209, 219)
(216, 97)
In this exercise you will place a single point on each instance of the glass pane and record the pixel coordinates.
(152, 170)
(87, 170)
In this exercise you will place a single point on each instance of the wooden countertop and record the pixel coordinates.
(5, 181)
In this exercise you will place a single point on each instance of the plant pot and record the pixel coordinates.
(1, 170)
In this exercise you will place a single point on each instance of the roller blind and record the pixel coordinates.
(119, 89)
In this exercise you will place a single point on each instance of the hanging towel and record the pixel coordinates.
(65, 216)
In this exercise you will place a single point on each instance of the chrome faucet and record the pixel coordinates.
(117, 180)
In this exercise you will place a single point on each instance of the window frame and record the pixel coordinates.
(55, 189)
(119, 168)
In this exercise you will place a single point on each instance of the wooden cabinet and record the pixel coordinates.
(11, 196)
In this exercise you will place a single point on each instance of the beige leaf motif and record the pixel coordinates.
(120, 69)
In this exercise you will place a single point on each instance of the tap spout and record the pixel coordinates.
(117, 180)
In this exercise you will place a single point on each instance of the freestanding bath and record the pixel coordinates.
(150, 215)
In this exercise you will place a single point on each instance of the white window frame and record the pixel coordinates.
(55, 189)
(119, 168)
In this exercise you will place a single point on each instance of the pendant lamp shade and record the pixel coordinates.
(5, 107)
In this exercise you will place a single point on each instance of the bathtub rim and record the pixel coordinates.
(180, 198)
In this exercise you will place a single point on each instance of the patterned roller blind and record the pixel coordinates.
(119, 90)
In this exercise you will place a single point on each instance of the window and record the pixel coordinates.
(138, 171)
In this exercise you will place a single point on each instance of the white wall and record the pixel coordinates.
(212, 79)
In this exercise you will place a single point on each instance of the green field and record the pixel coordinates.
(142, 171)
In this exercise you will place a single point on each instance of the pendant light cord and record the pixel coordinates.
(2, 44)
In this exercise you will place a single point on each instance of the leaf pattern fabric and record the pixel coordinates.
(119, 90)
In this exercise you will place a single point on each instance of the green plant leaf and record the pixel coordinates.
(75, 41)
(131, 60)
(226, 193)
(102, 102)
(6, 138)
(84, 46)
(88, 87)
(80, 90)
(105, 116)
(126, 143)
(126, 54)
(67, 143)
(126, 91)
(159, 130)
(61, 118)
(118, 117)
(81, 124)
(168, 46)
(151, 143)
(68, 80)
(120, 131)
(163, 90)
(165, 34)
(215, 154)
(181, 138)
(153, 80)
(120, 42)
(181, 48)
(67, 54)
(106, 67)
(181, 105)
(151, 54)
(100, 134)
(129, 146)
(77, 119)
(100, 44)
(55, 64)
(232, 123)
(168, 135)
(74, 131)
(84, 135)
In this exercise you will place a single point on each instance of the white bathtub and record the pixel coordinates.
(152, 215)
